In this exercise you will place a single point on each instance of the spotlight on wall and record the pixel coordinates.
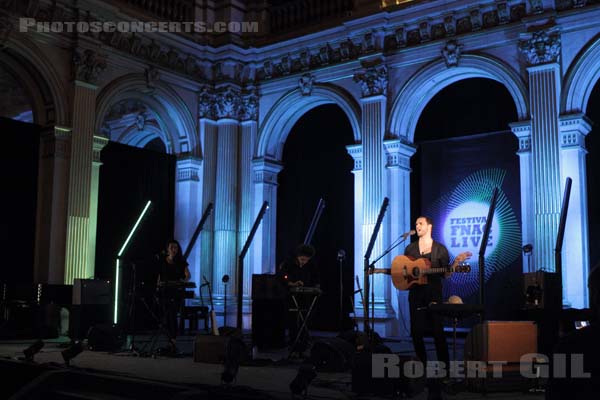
(33, 350)
(306, 373)
(71, 352)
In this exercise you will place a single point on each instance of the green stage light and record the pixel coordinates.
(123, 248)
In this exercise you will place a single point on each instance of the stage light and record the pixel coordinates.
(33, 350)
(306, 373)
(71, 352)
(118, 262)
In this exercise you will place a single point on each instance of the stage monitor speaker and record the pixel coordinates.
(268, 286)
(542, 290)
(91, 291)
(105, 337)
(332, 354)
(213, 349)
(501, 341)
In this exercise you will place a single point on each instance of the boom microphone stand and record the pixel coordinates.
(341, 255)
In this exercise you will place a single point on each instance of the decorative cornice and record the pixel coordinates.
(305, 83)
(541, 47)
(452, 52)
(573, 130)
(355, 151)
(398, 154)
(522, 131)
(265, 171)
(99, 143)
(373, 80)
(188, 168)
(88, 65)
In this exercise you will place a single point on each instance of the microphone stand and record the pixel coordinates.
(341, 260)
(367, 265)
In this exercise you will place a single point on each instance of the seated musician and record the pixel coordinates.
(299, 272)
(172, 267)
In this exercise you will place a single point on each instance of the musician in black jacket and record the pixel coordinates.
(172, 267)
(297, 272)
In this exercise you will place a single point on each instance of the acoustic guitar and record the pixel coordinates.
(407, 271)
(213, 314)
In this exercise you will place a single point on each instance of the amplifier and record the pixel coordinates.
(91, 291)
(542, 290)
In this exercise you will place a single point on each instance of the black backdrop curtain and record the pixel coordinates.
(18, 179)
(455, 180)
(129, 177)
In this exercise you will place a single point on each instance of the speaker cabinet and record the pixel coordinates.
(501, 341)
(542, 290)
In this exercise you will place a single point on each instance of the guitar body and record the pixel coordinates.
(408, 272)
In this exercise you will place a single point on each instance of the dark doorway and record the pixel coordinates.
(129, 177)
(19, 180)
(592, 144)
(317, 165)
(463, 136)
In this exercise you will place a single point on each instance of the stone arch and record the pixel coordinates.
(288, 109)
(580, 79)
(422, 87)
(171, 112)
(27, 63)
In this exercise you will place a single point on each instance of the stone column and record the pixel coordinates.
(265, 189)
(208, 140)
(51, 220)
(398, 156)
(373, 82)
(542, 50)
(226, 194)
(249, 133)
(78, 252)
(523, 131)
(99, 143)
(355, 151)
(576, 252)
(188, 208)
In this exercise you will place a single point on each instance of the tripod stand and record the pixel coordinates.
(132, 295)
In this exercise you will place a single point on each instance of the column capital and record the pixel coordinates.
(573, 129)
(398, 154)
(188, 167)
(249, 106)
(522, 130)
(541, 47)
(89, 64)
(99, 142)
(206, 103)
(356, 152)
(266, 170)
(228, 102)
(373, 81)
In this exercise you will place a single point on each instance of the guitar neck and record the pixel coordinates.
(438, 270)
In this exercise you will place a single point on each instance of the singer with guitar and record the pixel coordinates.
(172, 268)
(421, 294)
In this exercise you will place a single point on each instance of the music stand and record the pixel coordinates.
(303, 313)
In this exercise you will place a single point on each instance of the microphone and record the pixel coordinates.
(341, 254)
(409, 233)
(225, 278)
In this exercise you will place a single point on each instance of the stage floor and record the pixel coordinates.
(262, 377)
